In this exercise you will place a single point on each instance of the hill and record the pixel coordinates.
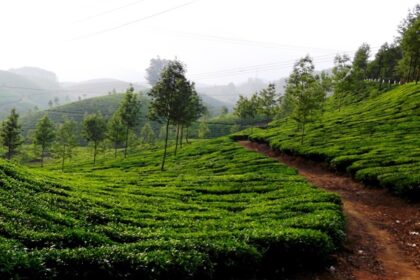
(218, 211)
(97, 87)
(106, 105)
(376, 140)
(17, 91)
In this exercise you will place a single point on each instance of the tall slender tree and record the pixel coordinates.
(129, 112)
(305, 92)
(66, 140)
(116, 132)
(44, 136)
(10, 134)
(167, 98)
(94, 128)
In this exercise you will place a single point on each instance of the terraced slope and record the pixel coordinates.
(218, 211)
(377, 140)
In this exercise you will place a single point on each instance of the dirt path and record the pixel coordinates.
(383, 232)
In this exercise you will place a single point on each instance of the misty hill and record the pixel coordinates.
(22, 93)
(230, 93)
(96, 87)
(43, 78)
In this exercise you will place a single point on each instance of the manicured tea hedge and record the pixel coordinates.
(377, 140)
(218, 211)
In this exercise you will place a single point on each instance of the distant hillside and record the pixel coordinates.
(230, 93)
(97, 87)
(43, 78)
(22, 93)
(106, 105)
(76, 111)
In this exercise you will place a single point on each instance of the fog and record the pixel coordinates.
(219, 41)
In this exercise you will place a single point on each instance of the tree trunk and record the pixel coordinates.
(95, 146)
(115, 150)
(166, 145)
(186, 136)
(409, 69)
(177, 137)
(126, 142)
(182, 135)
(42, 156)
(63, 156)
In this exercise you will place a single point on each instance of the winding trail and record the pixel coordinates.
(383, 231)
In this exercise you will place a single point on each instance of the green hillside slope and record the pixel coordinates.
(219, 211)
(376, 140)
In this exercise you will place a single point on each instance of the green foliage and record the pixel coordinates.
(384, 66)
(129, 113)
(147, 134)
(44, 136)
(66, 140)
(246, 108)
(203, 130)
(174, 101)
(305, 93)
(376, 140)
(410, 45)
(155, 69)
(94, 130)
(219, 211)
(115, 132)
(10, 134)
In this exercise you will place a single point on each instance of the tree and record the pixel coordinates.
(116, 132)
(305, 92)
(44, 136)
(203, 130)
(409, 66)
(384, 66)
(268, 101)
(168, 98)
(245, 108)
(66, 140)
(129, 112)
(147, 134)
(191, 111)
(342, 79)
(154, 70)
(11, 134)
(224, 111)
(94, 129)
(360, 61)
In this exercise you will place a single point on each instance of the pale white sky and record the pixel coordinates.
(219, 40)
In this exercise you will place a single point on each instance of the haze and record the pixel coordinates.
(220, 41)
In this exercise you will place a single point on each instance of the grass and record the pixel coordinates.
(376, 140)
(218, 211)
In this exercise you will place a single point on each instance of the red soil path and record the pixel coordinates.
(383, 231)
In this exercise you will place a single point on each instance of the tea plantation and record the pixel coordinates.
(377, 140)
(217, 212)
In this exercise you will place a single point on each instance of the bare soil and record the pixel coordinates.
(383, 231)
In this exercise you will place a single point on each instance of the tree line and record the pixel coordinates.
(174, 102)
(351, 80)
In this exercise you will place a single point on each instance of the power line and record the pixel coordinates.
(108, 11)
(134, 21)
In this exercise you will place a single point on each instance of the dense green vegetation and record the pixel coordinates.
(376, 140)
(218, 211)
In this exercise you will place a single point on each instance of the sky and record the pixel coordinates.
(219, 40)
